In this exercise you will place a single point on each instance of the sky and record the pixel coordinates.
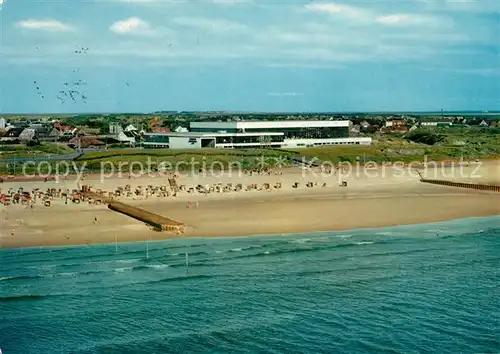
(73, 56)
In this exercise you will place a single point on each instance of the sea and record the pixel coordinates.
(432, 288)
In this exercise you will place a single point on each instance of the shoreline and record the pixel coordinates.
(195, 237)
(361, 229)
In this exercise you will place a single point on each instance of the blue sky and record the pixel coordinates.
(250, 55)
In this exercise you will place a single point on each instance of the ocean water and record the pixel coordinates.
(431, 288)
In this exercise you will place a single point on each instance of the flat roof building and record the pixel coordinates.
(246, 134)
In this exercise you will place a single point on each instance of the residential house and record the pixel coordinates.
(395, 123)
(161, 130)
(400, 129)
(64, 132)
(355, 129)
(436, 124)
(365, 125)
(85, 142)
(484, 123)
(115, 128)
(27, 135)
(155, 123)
(18, 123)
(12, 136)
(19, 136)
(413, 127)
(428, 124)
(65, 129)
(43, 132)
(126, 138)
(86, 130)
(130, 128)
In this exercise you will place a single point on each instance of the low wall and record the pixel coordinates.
(157, 221)
(482, 187)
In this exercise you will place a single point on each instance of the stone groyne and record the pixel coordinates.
(159, 222)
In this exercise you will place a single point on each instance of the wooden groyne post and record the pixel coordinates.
(481, 187)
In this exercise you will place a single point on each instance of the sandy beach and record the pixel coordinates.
(369, 200)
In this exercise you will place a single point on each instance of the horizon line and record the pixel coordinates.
(481, 112)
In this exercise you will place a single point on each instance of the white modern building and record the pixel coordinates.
(435, 124)
(247, 134)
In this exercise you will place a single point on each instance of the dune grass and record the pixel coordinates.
(392, 152)
(10, 151)
(192, 159)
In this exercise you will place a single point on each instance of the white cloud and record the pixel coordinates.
(221, 26)
(44, 25)
(317, 35)
(132, 25)
(411, 20)
(346, 11)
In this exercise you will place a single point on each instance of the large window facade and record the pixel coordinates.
(307, 133)
(249, 139)
(290, 133)
(148, 138)
(214, 130)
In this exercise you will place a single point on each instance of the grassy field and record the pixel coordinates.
(183, 159)
(10, 151)
(175, 153)
(467, 143)
(393, 152)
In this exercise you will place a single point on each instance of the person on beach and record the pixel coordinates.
(95, 220)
